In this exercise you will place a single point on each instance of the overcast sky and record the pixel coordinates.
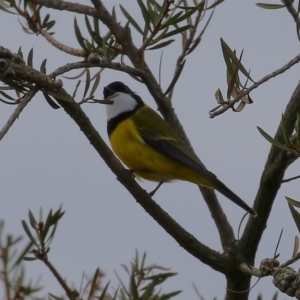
(46, 161)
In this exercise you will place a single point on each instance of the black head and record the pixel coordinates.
(115, 87)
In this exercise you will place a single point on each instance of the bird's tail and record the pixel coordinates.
(223, 189)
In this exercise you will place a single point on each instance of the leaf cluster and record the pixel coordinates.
(291, 143)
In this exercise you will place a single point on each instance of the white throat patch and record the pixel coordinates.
(122, 103)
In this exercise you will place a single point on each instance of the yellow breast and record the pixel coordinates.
(143, 160)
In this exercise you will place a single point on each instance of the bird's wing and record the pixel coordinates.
(160, 136)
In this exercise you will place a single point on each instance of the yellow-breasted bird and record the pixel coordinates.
(150, 148)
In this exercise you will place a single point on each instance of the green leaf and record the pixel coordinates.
(215, 4)
(23, 253)
(43, 66)
(96, 26)
(295, 215)
(103, 294)
(269, 6)
(284, 132)
(92, 290)
(28, 232)
(131, 20)
(79, 37)
(146, 14)
(88, 25)
(32, 220)
(228, 55)
(30, 58)
(298, 129)
(271, 140)
(169, 295)
(175, 78)
(46, 19)
(232, 82)
(182, 18)
(176, 31)
(87, 82)
(7, 96)
(96, 83)
(293, 202)
(49, 25)
(161, 45)
(194, 45)
(50, 101)
(171, 20)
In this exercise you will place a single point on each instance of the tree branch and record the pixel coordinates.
(25, 100)
(271, 179)
(277, 72)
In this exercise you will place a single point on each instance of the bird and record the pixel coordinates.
(150, 148)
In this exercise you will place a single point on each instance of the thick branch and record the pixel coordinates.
(271, 179)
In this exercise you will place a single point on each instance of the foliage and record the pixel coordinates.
(143, 279)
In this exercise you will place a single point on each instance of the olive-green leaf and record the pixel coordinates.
(269, 6)
(271, 140)
(161, 45)
(50, 101)
(194, 45)
(28, 232)
(229, 54)
(175, 78)
(284, 132)
(295, 215)
(176, 31)
(79, 37)
(30, 58)
(298, 129)
(131, 19)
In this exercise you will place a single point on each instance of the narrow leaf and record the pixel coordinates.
(30, 58)
(96, 83)
(43, 66)
(230, 54)
(214, 4)
(176, 31)
(194, 45)
(269, 6)
(94, 281)
(176, 76)
(87, 82)
(145, 13)
(295, 215)
(161, 45)
(103, 294)
(284, 132)
(50, 101)
(298, 129)
(131, 19)
(271, 140)
(79, 37)
(293, 202)
(28, 232)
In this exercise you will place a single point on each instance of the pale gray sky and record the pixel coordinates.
(46, 161)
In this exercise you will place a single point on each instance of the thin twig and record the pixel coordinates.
(71, 294)
(290, 179)
(279, 71)
(186, 47)
(156, 27)
(26, 99)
